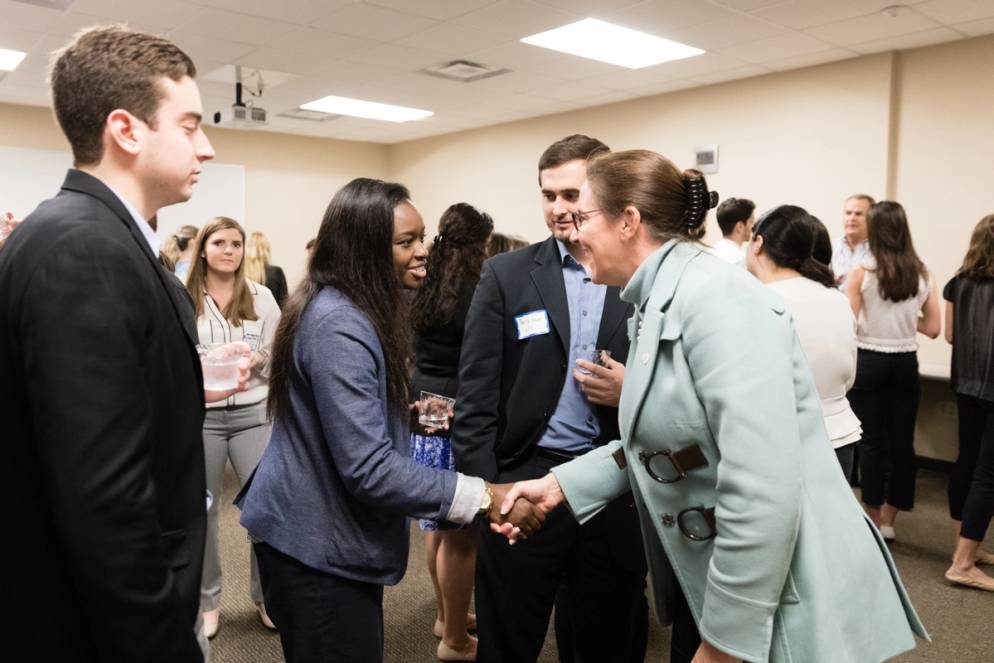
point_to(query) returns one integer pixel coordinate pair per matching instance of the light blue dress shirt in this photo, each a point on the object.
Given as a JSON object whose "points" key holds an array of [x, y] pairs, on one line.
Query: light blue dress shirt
{"points": [[146, 230], [574, 424], [844, 258]]}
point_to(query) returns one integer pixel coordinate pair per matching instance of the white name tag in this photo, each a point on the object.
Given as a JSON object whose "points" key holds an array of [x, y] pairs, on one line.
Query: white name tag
{"points": [[531, 324]]}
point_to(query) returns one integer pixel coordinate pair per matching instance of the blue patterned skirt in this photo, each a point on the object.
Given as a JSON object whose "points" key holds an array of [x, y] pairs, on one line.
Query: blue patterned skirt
{"points": [[433, 451]]}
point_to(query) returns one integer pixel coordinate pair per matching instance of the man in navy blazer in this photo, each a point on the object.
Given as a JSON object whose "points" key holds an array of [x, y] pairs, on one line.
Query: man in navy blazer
{"points": [[101, 394], [529, 399]]}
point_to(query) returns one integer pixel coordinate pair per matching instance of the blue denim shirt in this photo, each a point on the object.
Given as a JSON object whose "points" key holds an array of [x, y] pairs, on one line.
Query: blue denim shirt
{"points": [[574, 424]]}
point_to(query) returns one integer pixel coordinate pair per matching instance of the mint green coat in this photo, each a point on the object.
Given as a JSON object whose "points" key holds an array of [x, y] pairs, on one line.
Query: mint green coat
{"points": [[796, 572]]}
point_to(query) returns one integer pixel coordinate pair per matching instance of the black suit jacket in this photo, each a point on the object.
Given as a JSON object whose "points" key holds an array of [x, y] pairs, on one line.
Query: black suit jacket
{"points": [[101, 407], [509, 388]]}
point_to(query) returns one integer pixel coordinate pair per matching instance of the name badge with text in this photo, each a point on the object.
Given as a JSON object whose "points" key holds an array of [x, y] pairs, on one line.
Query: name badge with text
{"points": [[531, 324]]}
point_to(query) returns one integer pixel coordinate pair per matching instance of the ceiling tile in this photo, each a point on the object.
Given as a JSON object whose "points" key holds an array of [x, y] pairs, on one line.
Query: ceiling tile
{"points": [[610, 97], [159, 15], [575, 90], [874, 26], [441, 10], [708, 63], [976, 28], [516, 18], [31, 17], [296, 11], [452, 41], [18, 39], [809, 13], [307, 50], [374, 23], [777, 48], [749, 5], [393, 56], [200, 47], [663, 17], [811, 59], [662, 87], [913, 40], [733, 74], [956, 11], [727, 31], [592, 8], [222, 24], [626, 79], [525, 57]]}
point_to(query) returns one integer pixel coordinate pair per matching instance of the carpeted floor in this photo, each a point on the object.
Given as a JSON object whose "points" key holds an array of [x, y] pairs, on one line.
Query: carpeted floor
{"points": [[961, 621]]}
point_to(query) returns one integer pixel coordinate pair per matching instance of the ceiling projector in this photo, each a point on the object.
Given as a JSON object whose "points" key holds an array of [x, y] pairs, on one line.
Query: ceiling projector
{"points": [[240, 116]]}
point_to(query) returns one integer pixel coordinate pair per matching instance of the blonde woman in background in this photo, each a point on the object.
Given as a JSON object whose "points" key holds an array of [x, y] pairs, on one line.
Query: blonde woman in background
{"points": [[258, 256], [180, 249], [230, 308]]}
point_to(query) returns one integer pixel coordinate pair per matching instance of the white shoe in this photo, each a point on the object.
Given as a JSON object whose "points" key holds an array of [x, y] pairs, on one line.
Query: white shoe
{"points": [[264, 617], [212, 619], [887, 531]]}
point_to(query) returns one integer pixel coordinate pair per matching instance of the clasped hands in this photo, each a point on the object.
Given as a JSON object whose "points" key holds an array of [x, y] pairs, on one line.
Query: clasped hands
{"points": [[519, 509]]}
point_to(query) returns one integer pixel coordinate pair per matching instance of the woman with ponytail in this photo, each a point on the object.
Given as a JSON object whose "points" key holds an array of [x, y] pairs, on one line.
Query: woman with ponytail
{"points": [[894, 299], [181, 250], [757, 548], [783, 253], [438, 317]]}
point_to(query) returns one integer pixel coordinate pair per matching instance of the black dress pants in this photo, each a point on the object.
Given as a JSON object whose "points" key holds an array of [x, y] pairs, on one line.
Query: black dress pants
{"points": [[885, 397], [604, 565], [321, 618], [971, 485]]}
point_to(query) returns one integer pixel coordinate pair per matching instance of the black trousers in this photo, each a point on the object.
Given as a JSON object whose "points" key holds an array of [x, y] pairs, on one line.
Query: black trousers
{"points": [[885, 397], [321, 618], [604, 565], [685, 638], [846, 455], [971, 485]]}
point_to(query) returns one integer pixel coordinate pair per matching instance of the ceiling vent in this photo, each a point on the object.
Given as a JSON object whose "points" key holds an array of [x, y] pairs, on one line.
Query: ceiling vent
{"points": [[463, 71], [308, 115]]}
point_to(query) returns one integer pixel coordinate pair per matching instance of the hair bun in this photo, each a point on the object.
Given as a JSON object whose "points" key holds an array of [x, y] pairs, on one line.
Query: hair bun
{"points": [[698, 200]]}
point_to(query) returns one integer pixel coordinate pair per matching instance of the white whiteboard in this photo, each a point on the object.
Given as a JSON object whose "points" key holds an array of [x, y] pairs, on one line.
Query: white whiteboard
{"points": [[28, 176]]}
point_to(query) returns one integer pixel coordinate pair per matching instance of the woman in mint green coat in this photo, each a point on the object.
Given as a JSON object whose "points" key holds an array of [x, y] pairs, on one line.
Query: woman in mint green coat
{"points": [[757, 548]]}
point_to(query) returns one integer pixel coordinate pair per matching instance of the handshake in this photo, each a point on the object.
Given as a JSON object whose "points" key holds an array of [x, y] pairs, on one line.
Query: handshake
{"points": [[519, 509]]}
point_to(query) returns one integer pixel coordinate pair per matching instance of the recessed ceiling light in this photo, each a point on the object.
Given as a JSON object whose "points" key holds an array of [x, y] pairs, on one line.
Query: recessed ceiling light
{"points": [[367, 109], [10, 59], [606, 42]]}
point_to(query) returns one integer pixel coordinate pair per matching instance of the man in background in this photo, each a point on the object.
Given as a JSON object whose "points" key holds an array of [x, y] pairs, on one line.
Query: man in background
{"points": [[522, 408], [735, 218], [101, 394], [854, 246]]}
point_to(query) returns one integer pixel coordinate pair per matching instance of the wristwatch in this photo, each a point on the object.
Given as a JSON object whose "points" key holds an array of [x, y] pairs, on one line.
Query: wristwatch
{"points": [[488, 500]]}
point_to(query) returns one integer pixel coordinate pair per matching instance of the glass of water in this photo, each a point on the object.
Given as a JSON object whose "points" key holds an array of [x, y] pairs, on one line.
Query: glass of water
{"points": [[596, 357], [220, 363], [434, 410]]}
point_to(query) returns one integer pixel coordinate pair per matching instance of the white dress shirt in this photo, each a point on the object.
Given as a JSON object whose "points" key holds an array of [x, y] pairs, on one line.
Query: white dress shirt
{"points": [[730, 251]]}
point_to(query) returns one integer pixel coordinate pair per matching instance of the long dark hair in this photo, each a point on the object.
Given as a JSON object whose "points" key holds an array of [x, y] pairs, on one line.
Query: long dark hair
{"points": [[789, 240], [978, 264], [457, 254], [353, 253], [899, 269]]}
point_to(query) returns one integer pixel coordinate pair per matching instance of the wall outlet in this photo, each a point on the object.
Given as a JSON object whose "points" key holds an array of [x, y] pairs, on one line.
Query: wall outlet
{"points": [[947, 409]]}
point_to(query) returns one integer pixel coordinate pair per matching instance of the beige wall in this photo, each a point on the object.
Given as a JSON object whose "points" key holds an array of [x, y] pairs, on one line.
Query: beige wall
{"points": [[288, 179], [808, 137]]}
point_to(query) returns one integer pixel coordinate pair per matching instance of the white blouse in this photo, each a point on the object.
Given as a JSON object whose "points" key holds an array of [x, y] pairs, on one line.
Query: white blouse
{"points": [[212, 327], [826, 329], [886, 326]]}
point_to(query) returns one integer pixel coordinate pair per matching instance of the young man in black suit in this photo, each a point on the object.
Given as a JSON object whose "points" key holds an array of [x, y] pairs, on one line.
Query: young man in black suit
{"points": [[101, 394], [525, 406]]}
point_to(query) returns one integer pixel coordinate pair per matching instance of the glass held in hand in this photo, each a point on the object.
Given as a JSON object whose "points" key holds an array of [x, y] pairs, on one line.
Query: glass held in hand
{"points": [[220, 364], [596, 357], [434, 410]]}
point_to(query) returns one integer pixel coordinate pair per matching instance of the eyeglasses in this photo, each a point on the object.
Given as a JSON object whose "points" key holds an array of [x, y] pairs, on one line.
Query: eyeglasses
{"points": [[580, 217]]}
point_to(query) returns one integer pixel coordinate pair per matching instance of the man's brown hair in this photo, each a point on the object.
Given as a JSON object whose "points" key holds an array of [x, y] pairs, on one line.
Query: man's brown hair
{"points": [[569, 149], [106, 68]]}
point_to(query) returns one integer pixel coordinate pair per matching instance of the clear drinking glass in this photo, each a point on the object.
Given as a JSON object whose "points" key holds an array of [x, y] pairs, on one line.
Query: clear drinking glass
{"points": [[596, 357], [434, 410], [220, 364]]}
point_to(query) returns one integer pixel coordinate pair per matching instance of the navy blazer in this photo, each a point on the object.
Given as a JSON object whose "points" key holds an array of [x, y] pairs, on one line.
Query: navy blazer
{"points": [[333, 487]]}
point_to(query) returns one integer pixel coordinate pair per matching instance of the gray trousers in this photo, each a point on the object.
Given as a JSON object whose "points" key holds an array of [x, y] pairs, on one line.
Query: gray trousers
{"points": [[241, 434]]}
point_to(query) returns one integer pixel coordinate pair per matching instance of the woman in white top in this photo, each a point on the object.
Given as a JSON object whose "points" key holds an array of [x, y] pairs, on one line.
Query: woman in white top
{"points": [[893, 298], [781, 254], [231, 308]]}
